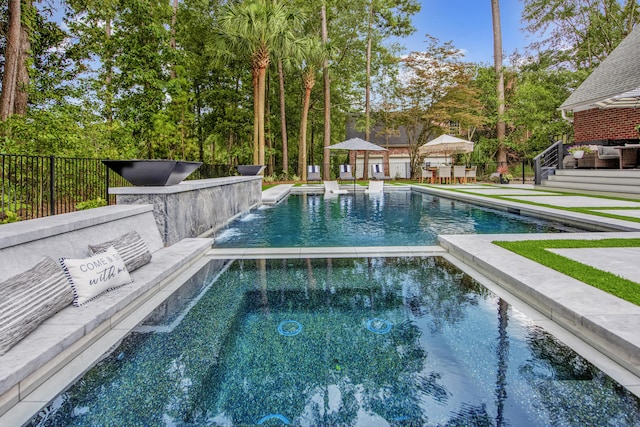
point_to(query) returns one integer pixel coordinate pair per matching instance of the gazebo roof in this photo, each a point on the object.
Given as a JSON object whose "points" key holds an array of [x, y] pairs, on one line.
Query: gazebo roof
{"points": [[614, 83]]}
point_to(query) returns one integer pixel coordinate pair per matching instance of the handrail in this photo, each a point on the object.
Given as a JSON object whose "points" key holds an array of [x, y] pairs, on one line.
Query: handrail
{"points": [[548, 161]]}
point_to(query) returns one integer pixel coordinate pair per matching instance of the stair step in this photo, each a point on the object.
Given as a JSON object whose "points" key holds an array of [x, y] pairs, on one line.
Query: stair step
{"points": [[633, 181], [590, 186], [614, 173]]}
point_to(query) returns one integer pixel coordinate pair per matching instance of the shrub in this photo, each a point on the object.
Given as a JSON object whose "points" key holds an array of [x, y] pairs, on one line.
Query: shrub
{"points": [[9, 216], [90, 204]]}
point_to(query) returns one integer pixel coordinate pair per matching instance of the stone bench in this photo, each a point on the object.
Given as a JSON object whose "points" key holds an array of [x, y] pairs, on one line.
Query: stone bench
{"points": [[59, 340]]}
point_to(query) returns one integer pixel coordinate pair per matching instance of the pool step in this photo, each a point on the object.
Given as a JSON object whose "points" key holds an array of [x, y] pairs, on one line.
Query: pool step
{"points": [[324, 252]]}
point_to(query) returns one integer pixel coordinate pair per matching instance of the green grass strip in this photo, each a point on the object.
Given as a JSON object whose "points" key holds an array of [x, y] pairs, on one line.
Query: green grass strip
{"points": [[536, 251], [592, 210]]}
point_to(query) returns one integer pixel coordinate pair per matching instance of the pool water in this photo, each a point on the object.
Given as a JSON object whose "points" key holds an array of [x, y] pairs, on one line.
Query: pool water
{"points": [[343, 342], [400, 218]]}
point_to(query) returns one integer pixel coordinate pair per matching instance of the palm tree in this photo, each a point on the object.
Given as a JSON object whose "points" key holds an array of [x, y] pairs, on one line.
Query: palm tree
{"points": [[256, 28], [314, 55]]}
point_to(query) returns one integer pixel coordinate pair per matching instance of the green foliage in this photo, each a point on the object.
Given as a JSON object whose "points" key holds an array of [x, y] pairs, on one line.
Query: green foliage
{"points": [[591, 29], [9, 216], [90, 204]]}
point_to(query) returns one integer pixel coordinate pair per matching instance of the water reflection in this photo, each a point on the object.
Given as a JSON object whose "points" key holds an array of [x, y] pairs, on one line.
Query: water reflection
{"points": [[454, 355], [388, 219]]}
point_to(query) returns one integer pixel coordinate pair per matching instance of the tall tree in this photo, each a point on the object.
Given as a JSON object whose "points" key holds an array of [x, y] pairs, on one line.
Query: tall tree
{"points": [[438, 85], [497, 63], [257, 27], [581, 33], [326, 86], [12, 56], [314, 56], [384, 18]]}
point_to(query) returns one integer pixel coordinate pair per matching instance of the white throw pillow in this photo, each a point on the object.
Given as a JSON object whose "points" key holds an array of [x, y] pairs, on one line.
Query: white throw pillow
{"points": [[92, 276]]}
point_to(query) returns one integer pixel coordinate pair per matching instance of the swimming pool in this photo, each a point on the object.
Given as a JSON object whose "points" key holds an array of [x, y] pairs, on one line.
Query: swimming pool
{"points": [[399, 218], [358, 342]]}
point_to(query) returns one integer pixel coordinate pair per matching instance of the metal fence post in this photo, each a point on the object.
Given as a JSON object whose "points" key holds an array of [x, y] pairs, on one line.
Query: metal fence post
{"points": [[106, 187], [52, 185]]}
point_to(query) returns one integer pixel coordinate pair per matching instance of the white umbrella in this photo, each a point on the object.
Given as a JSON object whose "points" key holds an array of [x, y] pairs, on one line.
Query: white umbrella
{"points": [[356, 144], [446, 144]]}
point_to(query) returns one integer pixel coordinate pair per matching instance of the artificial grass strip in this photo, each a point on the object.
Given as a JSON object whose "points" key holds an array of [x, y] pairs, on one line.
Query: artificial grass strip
{"points": [[536, 250], [592, 210]]}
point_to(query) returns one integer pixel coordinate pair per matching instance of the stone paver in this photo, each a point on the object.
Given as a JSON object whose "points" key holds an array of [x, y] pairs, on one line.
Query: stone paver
{"points": [[510, 191], [619, 261], [632, 213], [578, 201]]}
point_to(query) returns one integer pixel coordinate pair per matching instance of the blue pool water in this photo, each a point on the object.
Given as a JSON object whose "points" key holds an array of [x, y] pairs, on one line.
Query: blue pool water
{"points": [[342, 342], [393, 219]]}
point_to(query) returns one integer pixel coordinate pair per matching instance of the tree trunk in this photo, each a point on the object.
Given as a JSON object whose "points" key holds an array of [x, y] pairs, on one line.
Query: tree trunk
{"points": [[497, 60], [302, 153], [367, 101], [283, 122], [173, 44], [199, 123], [21, 96], [108, 63], [267, 128], [309, 82], [261, 100], [12, 56], [326, 158], [256, 114]]}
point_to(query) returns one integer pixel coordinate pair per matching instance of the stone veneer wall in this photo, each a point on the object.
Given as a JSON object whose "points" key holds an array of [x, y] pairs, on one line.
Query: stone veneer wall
{"points": [[192, 208]]}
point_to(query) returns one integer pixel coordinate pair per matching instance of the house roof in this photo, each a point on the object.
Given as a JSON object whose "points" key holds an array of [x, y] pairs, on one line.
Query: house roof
{"points": [[614, 83], [378, 136]]}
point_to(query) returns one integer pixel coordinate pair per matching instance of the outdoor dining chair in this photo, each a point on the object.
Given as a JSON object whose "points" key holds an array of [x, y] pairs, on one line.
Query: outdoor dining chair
{"points": [[459, 174], [444, 174], [470, 174]]}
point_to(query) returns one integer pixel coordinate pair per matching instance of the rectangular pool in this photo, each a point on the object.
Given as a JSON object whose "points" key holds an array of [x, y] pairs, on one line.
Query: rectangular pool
{"points": [[349, 342], [400, 218]]}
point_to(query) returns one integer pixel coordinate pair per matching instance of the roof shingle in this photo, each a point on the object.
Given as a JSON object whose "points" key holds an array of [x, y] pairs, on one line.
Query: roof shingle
{"points": [[617, 74]]}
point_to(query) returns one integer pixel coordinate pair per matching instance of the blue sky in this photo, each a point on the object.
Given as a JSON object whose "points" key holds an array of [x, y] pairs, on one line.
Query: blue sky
{"points": [[467, 23]]}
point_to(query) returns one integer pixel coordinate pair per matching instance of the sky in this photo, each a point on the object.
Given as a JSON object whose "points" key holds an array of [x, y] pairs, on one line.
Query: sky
{"points": [[468, 24]]}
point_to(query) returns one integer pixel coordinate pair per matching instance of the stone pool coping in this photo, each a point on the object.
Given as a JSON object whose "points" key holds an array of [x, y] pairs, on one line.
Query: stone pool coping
{"points": [[607, 323]]}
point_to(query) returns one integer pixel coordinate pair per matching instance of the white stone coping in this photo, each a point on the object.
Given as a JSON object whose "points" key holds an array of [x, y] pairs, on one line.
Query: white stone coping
{"points": [[586, 221], [605, 321], [273, 195], [20, 232], [184, 186], [58, 340]]}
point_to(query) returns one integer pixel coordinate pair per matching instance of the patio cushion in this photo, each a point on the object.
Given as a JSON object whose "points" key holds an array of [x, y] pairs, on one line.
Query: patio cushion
{"points": [[130, 246], [29, 298], [607, 152], [95, 275]]}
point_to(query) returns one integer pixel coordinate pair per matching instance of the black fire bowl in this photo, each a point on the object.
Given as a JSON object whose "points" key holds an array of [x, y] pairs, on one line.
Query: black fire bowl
{"points": [[152, 172]]}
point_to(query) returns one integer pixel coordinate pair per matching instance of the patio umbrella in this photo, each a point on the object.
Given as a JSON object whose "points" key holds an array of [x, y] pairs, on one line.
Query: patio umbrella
{"points": [[447, 145], [356, 144]]}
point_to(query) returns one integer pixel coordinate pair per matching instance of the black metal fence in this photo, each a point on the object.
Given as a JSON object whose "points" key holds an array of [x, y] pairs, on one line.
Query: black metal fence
{"points": [[36, 186]]}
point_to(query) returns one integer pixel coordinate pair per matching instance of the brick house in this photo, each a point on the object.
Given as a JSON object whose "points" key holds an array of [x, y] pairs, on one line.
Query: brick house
{"points": [[606, 106], [395, 160]]}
